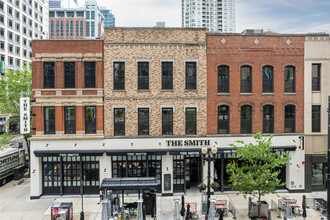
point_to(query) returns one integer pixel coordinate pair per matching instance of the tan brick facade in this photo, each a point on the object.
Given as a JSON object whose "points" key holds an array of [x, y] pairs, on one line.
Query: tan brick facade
{"points": [[153, 45]]}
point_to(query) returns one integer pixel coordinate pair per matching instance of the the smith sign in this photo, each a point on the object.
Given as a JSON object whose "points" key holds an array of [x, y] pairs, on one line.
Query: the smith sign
{"points": [[25, 115], [177, 143]]}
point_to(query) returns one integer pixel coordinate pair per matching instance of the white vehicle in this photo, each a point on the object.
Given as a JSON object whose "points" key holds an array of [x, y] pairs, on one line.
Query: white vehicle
{"points": [[10, 158]]}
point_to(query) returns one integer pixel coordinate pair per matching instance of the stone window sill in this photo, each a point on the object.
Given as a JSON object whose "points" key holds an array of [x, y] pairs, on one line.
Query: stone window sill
{"points": [[268, 93], [246, 94], [290, 93], [223, 93]]}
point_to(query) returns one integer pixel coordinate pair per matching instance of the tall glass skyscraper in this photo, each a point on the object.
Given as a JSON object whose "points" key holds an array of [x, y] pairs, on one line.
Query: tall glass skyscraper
{"points": [[109, 18], [215, 15]]}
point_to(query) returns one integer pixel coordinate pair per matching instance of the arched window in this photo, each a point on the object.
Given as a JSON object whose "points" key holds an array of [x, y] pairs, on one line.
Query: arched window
{"points": [[246, 119], [268, 119], [223, 119], [223, 79], [246, 79], [267, 79], [289, 79], [290, 119]]}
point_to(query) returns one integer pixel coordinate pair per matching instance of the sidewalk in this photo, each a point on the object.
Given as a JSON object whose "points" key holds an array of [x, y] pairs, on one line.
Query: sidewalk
{"points": [[15, 204]]}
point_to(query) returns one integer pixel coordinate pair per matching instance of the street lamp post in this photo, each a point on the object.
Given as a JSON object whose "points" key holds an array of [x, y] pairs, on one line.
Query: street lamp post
{"points": [[205, 151]]}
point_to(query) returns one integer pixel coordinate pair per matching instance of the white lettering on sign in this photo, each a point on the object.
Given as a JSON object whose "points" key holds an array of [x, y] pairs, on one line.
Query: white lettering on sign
{"points": [[25, 115]]}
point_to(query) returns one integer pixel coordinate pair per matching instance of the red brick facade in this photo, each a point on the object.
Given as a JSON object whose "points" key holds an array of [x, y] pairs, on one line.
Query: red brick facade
{"points": [[256, 51], [60, 51]]}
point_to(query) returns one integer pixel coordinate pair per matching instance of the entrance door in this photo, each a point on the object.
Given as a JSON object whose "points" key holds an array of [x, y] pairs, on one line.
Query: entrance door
{"points": [[91, 174], [193, 171], [71, 175], [178, 173], [51, 175]]}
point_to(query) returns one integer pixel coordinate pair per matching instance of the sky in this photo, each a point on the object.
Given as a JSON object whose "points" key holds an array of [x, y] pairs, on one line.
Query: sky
{"points": [[283, 16]]}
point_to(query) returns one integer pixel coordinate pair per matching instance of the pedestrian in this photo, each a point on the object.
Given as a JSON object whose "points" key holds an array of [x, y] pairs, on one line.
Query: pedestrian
{"points": [[101, 197]]}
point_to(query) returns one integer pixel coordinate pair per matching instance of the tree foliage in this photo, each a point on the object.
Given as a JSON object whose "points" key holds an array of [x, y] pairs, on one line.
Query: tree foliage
{"points": [[14, 85], [256, 171]]}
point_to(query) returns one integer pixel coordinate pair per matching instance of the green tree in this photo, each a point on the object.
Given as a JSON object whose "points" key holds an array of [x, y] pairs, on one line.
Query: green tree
{"points": [[14, 85], [256, 172]]}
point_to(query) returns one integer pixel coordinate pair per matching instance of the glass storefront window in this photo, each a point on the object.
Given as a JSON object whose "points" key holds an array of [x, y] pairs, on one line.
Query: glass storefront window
{"points": [[317, 174]]}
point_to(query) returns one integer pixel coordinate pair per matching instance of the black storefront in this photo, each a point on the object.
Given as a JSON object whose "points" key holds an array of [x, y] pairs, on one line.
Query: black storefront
{"points": [[63, 172], [137, 163]]}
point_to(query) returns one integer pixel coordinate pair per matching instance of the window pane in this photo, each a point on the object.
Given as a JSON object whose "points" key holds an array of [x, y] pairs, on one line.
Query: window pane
{"points": [[90, 120], [190, 120], [223, 79], [49, 74], [143, 121], [69, 75], [89, 74], [289, 124], [316, 118], [167, 121], [246, 119], [70, 120], [267, 79], [246, 79], [143, 75], [268, 119], [119, 76], [317, 174], [223, 119], [289, 79], [191, 75], [316, 77], [49, 124], [119, 122], [167, 75]]}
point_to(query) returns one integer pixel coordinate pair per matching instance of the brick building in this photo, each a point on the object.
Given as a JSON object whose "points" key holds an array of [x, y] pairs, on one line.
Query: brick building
{"points": [[67, 89], [256, 84]]}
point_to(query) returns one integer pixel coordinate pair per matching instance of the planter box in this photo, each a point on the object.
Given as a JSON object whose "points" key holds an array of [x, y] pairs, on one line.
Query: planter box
{"points": [[263, 209]]}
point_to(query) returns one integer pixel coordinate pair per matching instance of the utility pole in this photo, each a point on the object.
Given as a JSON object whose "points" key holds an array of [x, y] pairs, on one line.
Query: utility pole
{"points": [[328, 176]]}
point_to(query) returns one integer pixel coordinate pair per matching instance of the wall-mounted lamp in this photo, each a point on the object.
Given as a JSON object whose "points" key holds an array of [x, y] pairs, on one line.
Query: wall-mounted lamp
{"points": [[298, 167], [302, 142], [103, 145], [75, 146], [159, 144], [132, 145], [47, 145], [294, 142], [105, 170], [33, 171], [167, 171]]}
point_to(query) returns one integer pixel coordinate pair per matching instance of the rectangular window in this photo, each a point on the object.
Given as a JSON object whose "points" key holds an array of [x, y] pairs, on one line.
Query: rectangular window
{"points": [[316, 77], [119, 76], [143, 121], [57, 28], [167, 75], [191, 121], [69, 75], [52, 28], [318, 174], [119, 122], [62, 28], [92, 14], [87, 14], [92, 29], [77, 28], [71, 28], [81, 28], [90, 75], [289, 79], [70, 120], [143, 75], [90, 120], [167, 121], [67, 28], [316, 118], [49, 75], [49, 120], [246, 79], [87, 29], [191, 75]]}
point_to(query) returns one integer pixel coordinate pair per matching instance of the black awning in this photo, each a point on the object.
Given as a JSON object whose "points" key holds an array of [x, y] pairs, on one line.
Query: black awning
{"points": [[67, 153], [124, 152], [133, 183], [286, 148]]}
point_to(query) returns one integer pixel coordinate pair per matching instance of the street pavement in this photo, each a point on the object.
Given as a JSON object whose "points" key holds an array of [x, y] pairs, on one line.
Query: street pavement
{"points": [[15, 204]]}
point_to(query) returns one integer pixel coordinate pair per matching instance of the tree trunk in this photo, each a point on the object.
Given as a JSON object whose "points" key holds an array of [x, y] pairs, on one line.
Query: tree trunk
{"points": [[259, 204]]}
